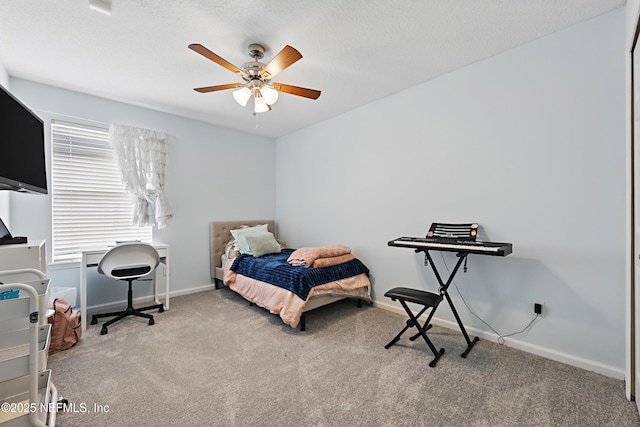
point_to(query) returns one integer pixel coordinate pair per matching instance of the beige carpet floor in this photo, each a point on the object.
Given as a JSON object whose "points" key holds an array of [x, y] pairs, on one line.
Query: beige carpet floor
{"points": [[213, 360]]}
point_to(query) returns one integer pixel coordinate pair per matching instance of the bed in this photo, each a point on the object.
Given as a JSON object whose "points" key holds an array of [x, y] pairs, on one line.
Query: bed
{"points": [[290, 305]]}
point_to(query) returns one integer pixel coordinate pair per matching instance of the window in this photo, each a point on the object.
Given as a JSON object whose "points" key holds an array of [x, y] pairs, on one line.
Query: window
{"points": [[90, 206]]}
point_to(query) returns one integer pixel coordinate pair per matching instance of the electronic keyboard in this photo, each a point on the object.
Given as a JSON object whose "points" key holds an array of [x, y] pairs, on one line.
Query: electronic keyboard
{"points": [[451, 245]]}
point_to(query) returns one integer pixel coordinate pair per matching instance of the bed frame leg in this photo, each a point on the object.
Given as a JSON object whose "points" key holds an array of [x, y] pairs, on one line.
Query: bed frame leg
{"points": [[215, 282], [303, 319], [359, 303]]}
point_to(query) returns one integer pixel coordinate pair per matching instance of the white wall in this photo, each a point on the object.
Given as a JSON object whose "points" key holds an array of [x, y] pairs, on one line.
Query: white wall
{"points": [[212, 174], [531, 145]]}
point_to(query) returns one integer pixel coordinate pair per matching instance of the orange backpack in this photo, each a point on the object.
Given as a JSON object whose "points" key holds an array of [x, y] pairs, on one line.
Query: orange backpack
{"points": [[66, 328]]}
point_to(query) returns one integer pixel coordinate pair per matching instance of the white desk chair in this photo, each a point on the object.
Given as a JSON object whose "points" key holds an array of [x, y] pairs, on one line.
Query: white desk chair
{"points": [[128, 261]]}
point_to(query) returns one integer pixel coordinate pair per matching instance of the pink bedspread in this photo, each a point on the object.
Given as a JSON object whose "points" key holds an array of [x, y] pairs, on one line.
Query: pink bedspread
{"points": [[285, 303]]}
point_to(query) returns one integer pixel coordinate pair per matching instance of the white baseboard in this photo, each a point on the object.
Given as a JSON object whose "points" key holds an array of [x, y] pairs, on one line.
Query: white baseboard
{"points": [[189, 291], [548, 353]]}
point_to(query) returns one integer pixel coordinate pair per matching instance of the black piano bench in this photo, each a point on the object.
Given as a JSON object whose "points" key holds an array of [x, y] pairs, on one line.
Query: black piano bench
{"points": [[427, 299]]}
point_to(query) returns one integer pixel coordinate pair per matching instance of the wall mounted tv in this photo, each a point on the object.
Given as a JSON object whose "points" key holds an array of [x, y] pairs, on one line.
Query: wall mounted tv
{"points": [[22, 158]]}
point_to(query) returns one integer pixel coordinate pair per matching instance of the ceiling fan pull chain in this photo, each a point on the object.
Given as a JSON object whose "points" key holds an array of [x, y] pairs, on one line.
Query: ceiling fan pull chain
{"points": [[257, 122]]}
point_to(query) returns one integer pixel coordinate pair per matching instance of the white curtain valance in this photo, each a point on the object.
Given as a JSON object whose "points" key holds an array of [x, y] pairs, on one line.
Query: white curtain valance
{"points": [[142, 158]]}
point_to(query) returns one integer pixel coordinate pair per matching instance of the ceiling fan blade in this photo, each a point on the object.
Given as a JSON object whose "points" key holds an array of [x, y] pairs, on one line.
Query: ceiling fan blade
{"points": [[215, 58], [218, 87], [295, 90], [282, 60]]}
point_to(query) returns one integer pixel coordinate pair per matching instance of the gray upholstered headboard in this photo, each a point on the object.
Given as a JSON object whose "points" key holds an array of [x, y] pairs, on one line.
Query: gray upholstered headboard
{"points": [[220, 235]]}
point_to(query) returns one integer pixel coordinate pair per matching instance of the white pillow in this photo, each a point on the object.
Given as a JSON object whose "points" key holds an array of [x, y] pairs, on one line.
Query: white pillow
{"points": [[241, 244]]}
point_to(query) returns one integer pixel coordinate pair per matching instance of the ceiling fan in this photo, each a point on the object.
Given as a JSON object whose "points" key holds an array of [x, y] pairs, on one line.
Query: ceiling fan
{"points": [[257, 77]]}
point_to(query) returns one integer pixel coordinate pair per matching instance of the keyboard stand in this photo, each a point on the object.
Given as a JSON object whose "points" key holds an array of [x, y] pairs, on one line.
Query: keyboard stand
{"points": [[458, 238], [444, 292]]}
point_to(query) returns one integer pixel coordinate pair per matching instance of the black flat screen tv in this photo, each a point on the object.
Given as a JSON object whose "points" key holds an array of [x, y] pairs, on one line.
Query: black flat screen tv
{"points": [[22, 149]]}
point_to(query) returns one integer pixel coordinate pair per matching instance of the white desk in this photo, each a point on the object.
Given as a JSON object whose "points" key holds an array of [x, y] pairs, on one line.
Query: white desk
{"points": [[91, 258]]}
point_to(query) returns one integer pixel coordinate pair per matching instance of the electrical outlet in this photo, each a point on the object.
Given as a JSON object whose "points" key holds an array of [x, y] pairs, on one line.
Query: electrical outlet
{"points": [[537, 308]]}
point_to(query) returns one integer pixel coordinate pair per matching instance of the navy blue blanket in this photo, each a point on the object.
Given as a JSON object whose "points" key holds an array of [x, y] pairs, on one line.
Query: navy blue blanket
{"points": [[275, 269]]}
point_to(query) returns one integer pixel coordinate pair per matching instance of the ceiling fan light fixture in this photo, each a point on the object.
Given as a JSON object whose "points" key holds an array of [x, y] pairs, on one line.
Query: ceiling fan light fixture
{"points": [[256, 75], [242, 95], [260, 105], [270, 94]]}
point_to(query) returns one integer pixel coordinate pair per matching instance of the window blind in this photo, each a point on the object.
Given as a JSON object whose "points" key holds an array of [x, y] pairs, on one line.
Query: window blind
{"points": [[90, 207]]}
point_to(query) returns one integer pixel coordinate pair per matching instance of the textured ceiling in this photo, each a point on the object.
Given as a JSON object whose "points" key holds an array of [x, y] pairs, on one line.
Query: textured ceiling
{"points": [[354, 51]]}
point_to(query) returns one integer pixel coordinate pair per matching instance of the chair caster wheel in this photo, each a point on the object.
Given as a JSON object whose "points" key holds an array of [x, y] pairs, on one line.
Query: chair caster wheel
{"points": [[161, 309], [94, 321], [151, 322], [104, 331]]}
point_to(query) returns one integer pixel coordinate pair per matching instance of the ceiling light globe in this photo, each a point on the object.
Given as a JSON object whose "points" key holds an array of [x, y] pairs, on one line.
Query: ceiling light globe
{"points": [[270, 94], [260, 105], [242, 95]]}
